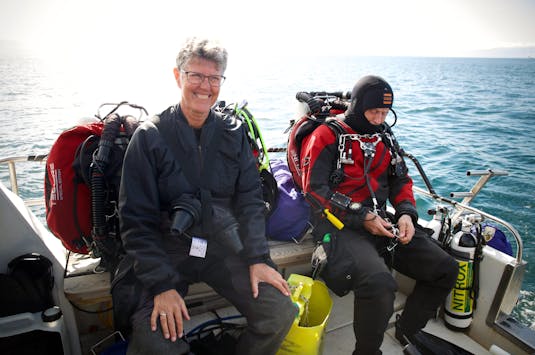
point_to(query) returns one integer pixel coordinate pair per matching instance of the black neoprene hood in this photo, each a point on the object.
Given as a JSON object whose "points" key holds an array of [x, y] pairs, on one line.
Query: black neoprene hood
{"points": [[370, 91]]}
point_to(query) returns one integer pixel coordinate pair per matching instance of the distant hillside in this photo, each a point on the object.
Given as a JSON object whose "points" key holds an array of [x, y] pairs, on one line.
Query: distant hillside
{"points": [[12, 49], [513, 52]]}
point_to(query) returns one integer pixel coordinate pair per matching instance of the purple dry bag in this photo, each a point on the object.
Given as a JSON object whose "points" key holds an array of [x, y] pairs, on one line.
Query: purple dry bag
{"points": [[291, 218]]}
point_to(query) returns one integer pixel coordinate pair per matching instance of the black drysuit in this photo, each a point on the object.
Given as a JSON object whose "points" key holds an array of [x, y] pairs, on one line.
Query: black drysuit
{"points": [[156, 177]]}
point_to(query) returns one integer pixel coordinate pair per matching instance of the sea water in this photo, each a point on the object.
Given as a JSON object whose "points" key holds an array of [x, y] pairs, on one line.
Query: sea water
{"points": [[454, 115]]}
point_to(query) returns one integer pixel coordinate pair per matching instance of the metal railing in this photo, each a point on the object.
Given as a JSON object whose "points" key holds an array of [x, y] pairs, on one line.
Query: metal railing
{"points": [[10, 162], [461, 207], [485, 176]]}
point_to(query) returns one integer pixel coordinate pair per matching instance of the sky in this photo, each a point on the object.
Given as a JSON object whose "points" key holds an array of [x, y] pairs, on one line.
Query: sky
{"points": [[84, 29]]}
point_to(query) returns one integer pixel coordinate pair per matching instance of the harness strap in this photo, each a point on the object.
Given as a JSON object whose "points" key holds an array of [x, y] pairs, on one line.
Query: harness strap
{"points": [[478, 256], [400, 168], [338, 173]]}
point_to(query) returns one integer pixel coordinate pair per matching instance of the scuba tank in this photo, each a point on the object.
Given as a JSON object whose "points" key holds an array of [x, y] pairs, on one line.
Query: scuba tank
{"points": [[465, 247], [440, 223]]}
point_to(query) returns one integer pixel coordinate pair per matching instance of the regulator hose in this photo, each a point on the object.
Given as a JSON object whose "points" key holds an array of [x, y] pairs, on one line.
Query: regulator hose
{"points": [[112, 125], [130, 124], [426, 180], [345, 95], [102, 247], [303, 96]]}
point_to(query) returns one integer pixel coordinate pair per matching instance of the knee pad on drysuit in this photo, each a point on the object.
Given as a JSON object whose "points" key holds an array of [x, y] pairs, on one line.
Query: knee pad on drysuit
{"points": [[374, 299], [450, 269], [426, 297], [376, 286]]}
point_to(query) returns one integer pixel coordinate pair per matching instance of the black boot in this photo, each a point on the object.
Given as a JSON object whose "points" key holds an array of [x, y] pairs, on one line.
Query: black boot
{"points": [[408, 342], [422, 343], [400, 334]]}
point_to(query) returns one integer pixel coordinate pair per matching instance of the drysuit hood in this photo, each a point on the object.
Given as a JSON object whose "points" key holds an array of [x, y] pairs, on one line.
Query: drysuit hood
{"points": [[369, 92]]}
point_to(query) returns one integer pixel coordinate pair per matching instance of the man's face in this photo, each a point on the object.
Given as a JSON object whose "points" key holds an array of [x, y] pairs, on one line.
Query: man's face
{"points": [[376, 116]]}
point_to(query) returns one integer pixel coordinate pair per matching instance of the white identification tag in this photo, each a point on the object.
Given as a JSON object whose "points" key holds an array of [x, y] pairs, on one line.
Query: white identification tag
{"points": [[198, 247]]}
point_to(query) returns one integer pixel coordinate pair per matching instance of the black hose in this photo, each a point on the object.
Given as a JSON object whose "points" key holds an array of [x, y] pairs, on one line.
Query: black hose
{"points": [[339, 105], [112, 125], [303, 96], [421, 171], [130, 123], [344, 95], [116, 107]]}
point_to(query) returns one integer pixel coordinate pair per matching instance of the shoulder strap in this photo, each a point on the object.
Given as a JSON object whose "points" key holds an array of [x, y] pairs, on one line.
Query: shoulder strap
{"points": [[255, 137], [388, 138], [337, 126], [338, 172]]}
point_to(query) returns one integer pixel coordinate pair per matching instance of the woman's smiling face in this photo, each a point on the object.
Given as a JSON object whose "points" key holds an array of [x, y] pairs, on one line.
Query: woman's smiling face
{"points": [[197, 98]]}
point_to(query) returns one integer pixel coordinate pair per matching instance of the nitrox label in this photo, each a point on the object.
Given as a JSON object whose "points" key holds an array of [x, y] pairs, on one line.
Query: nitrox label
{"points": [[460, 301]]}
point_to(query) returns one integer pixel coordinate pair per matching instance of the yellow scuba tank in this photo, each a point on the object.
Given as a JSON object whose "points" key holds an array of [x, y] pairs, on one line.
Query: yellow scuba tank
{"points": [[459, 305]]}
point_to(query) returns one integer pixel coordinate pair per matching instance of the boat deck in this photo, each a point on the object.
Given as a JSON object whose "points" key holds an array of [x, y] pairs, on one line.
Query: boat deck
{"points": [[90, 291], [23, 233], [339, 337]]}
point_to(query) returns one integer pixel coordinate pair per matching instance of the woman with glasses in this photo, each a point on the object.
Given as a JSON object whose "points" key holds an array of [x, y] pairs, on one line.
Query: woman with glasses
{"points": [[191, 210]]}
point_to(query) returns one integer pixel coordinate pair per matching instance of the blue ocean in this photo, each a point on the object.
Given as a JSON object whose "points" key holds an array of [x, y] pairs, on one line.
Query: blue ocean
{"points": [[454, 115]]}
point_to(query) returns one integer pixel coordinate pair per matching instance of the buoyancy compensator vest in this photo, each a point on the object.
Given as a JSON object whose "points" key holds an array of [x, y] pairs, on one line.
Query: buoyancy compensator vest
{"points": [[82, 180], [330, 105], [327, 106], [287, 213], [259, 148]]}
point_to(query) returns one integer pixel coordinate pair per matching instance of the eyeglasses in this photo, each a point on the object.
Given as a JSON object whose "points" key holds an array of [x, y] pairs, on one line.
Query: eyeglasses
{"points": [[198, 78]]}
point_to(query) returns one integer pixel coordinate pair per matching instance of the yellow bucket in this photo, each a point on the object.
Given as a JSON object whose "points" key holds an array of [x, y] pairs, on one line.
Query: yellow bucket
{"points": [[314, 302]]}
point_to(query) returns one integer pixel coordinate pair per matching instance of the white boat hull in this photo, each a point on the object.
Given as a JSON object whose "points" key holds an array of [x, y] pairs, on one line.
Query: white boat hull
{"points": [[500, 282]]}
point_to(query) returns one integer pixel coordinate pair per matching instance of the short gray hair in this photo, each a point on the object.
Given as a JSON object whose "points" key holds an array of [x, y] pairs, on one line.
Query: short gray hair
{"points": [[202, 48]]}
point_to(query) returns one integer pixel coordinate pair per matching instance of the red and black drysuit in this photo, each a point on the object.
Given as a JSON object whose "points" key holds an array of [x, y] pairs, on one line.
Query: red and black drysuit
{"points": [[319, 154], [357, 260]]}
